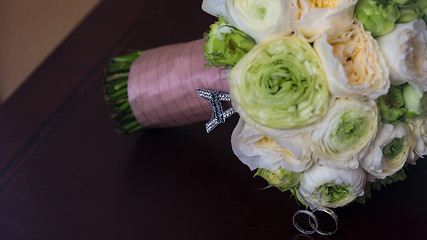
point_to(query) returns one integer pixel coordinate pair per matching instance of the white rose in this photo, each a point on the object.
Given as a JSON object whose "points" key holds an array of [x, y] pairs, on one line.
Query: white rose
{"points": [[322, 186], [260, 19], [405, 51], [317, 16], [258, 151], [390, 150], [353, 62]]}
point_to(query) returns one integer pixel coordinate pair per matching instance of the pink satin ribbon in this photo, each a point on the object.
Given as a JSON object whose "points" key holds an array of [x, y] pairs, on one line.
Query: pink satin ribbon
{"points": [[163, 84]]}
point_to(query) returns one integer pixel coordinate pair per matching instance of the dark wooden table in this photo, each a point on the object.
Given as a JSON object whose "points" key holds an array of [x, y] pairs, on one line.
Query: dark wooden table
{"points": [[65, 173]]}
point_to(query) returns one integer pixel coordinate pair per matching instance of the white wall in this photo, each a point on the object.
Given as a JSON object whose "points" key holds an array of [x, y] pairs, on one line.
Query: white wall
{"points": [[29, 31]]}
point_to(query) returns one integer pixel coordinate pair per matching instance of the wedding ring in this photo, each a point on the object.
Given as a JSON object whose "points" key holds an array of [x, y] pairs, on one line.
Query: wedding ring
{"points": [[316, 222], [314, 225]]}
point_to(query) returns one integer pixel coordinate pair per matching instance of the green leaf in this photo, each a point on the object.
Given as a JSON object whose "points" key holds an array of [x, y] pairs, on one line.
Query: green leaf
{"points": [[380, 184], [280, 178]]}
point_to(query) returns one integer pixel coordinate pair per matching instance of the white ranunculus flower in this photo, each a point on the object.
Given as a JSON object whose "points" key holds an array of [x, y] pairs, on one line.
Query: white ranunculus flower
{"points": [[405, 51], [345, 134], [260, 19], [317, 16], [353, 62], [323, 186], [391, 148], [258, 151], [418, 128]]}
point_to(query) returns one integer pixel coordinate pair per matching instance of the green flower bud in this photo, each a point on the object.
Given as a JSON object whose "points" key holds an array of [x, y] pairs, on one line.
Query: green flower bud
{"points": [[422, 5], [392, 106], [377, 16], [280, 178], [226, 45], [415, 101], [409, 13]]}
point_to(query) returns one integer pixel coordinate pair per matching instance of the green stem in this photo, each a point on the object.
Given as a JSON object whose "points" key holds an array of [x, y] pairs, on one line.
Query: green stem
{"points": [[129, 58], [117, 76], [118, 67], [115, 86], [135, 129], [130, 125]]}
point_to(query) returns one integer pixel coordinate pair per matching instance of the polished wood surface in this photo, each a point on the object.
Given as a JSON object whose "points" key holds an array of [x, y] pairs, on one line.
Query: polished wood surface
{"points": [[65, 173]]}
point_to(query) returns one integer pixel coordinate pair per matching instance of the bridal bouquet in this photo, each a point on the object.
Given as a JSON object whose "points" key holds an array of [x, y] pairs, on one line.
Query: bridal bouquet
{"points": [[330, 93]]}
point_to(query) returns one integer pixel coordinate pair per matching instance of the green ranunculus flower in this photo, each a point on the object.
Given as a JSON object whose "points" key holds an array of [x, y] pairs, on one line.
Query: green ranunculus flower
{"points": [[377, 16], [409, 13], [226, 45], [280, 178], [392, 106], [280, 85]]}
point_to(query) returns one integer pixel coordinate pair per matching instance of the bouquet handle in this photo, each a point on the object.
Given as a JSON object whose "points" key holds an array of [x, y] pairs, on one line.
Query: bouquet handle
{"points": [[163, 82]]}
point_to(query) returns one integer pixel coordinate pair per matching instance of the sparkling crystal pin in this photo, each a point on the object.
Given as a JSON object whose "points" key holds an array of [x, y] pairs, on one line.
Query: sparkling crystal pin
{"points": [[218, 115]]}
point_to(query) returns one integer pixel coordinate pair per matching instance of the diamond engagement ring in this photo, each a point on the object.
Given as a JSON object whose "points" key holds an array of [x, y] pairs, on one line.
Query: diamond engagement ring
{"points": [[314, 225]]}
